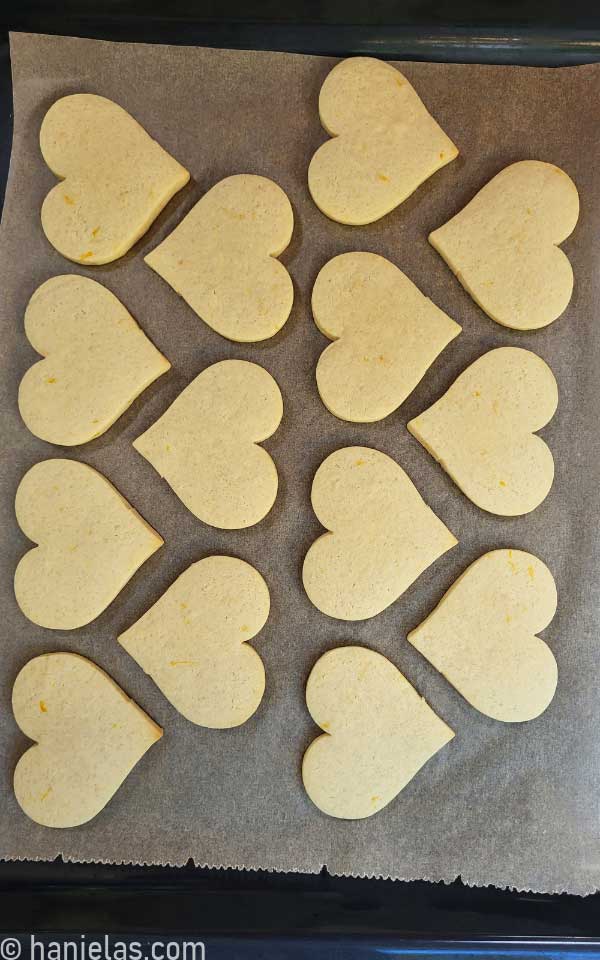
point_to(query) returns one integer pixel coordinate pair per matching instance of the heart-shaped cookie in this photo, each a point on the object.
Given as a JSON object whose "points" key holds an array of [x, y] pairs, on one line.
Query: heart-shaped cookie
{"points": [[97, 361], [378, 733], [89, 736], [482, 635], [482, 431], [115, 178], [90, 544], [386, 333], [503, 246], [206, 444], [385, 142], [221, 258], [192, 642], [381, 535]]}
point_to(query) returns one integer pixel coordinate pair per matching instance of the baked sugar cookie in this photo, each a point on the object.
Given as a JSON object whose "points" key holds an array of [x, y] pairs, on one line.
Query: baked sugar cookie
{"points": [[503, 246], [385, 142], [482, 431], [206, 444], [222, 258], [381, 535], [193, 642], [378, 733], [88, 737], [90, 544], [115, 179], [482, 635], [386, 335], [97, 361]]}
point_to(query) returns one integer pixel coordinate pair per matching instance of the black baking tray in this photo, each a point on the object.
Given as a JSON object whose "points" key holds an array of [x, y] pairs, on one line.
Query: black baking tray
{"points": [[245, 914]]}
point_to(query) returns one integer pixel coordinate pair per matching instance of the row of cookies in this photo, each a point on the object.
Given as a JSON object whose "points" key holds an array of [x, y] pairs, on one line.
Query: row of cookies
{"points": [[503, 246], [98, 360], [193, 640], [255, 197], [377, 731], [481, 429]]}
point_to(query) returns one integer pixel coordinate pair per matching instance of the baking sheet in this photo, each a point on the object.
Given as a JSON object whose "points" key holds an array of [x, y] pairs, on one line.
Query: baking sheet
{"points": [[513, 805]]}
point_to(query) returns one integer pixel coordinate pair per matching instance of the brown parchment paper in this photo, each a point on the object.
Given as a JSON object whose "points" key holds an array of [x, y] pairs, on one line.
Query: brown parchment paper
{"points": [[514, 805]]}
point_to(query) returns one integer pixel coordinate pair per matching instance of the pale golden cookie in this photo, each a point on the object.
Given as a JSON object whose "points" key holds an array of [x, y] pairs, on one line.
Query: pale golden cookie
{"points": [[89, 735], [91, 542], [192, 642], [97, 361], [481, 636], [482, 431], [378, 733], [115, 178], [381, 535], [221, 258], [385, 144], [386, 333], [503, 246], [206, 444]]}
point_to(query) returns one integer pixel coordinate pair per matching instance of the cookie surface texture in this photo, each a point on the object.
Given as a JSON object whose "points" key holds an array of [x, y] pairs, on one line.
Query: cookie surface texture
{"points": [[193, 642], [381, 535], [88, 737], [378, 733], [503, 246], [386, 335], [115, 179], [482, 635], [97, 361], [222, 258], [385, 142], [90, 540], [206, 444], [483, 431]]}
